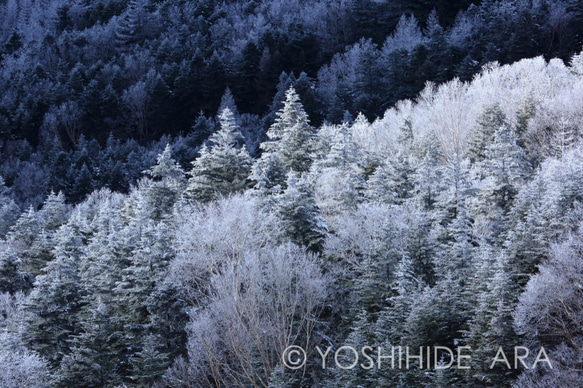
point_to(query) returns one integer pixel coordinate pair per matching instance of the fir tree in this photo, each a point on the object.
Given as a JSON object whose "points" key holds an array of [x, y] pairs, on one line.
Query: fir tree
{"points": [[54, 212], [291, 136], [299, 213], [52, 310], [9, 211], [223, 168], [488, 123], [167, 185], [93, 359]]}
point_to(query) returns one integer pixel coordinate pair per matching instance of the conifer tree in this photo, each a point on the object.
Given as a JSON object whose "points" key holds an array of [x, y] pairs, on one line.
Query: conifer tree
{"points": [[289, 145], [31, 244], [299, 213], [222, 168], [167, 185], [492, 328], [392, 182], [338, 177], [486, 126], [52, 310], [420, 245], [390, 326], [505, 170], [93, 359], [9, 211], [12, 279], [54, 212]]}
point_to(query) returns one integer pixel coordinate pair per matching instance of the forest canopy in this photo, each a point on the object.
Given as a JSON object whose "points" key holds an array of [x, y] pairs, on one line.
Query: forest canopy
{"points": [[189, 188]]}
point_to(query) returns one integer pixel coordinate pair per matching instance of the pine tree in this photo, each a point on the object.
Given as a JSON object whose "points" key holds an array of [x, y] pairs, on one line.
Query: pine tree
{"points": [[339, 181], [138, 281], [420, 246], [393, 318], [427, 177], [149, 364], [129, 26], [12, 279], [362, 334], [289, 146], [31, 244], [223, 168], [228, 102]]}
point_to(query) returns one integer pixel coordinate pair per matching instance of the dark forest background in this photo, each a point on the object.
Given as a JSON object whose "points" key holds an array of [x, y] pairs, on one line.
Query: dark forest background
{"points": [[90, 88]]}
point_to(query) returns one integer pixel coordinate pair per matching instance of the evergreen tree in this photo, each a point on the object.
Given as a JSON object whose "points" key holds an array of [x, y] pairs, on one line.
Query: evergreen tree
{"points": [[486, 126], [12, 280], [427, 177], [492, 328], [505, 170], [338, 177], [149, 259], [420, 246], [9, 210], [130, 25], [224, 168], [299, 213], [93, 360], [289, 146], [393, 318], [52, 319], [167, 185], [362, 334], [291, 135], [54, 212], [149, 364], [228, 102], [30, 243]]}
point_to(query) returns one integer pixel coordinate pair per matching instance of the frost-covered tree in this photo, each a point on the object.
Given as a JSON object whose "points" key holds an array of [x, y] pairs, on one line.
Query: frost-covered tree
{"points": [[300, 216], [257, 306], [486, 126], [549, 313], [223, 167], [93, 359], [53, 307], [339, 181], [492, 324], [12, 278], [167, 185], [54, 212], [9, 210], [289, 145]]}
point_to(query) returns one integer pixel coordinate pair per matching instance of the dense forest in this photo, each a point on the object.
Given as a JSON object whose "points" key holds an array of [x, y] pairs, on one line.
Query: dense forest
{"points": [[190, 189]]}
